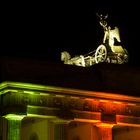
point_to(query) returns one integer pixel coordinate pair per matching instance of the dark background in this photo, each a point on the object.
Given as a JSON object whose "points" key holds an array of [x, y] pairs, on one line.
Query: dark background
{"points": [[43, 30]]}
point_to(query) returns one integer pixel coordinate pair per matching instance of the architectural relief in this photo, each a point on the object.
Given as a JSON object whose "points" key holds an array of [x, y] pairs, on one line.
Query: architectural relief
{"points": [[61, 111]]}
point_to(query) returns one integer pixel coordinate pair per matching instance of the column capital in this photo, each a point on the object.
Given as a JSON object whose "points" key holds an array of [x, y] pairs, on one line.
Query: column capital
{"points": [[14, 117]]}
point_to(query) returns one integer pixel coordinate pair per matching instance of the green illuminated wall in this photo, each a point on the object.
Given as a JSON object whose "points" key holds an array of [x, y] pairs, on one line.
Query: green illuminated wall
{"points": [[37, 128]]}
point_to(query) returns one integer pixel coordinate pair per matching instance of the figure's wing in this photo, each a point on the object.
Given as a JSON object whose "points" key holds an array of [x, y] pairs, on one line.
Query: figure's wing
{"points": [[116, 34]]}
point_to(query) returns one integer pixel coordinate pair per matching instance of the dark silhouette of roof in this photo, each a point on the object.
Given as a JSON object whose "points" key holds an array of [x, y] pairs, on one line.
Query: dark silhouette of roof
{"points": [[122, 79]]}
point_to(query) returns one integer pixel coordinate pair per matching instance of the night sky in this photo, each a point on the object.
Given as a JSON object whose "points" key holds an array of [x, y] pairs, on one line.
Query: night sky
{"points": [[42, 31]]}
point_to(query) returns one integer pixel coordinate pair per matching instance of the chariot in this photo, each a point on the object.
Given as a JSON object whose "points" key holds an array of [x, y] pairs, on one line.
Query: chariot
{"points": [[110, 50]]}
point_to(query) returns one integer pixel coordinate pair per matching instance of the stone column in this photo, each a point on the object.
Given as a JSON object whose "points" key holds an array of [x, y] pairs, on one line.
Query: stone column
{"points": [[105, 131], [1, 125], [59, 130], [14, 126]]}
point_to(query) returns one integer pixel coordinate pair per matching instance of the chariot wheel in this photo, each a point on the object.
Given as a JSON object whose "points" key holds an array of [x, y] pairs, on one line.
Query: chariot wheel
{"points": [[100, 54]]}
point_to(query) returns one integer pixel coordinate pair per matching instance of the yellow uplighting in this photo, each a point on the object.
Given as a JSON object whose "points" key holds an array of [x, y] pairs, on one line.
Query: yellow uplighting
{"points": [[105, 125], [87, 120]]}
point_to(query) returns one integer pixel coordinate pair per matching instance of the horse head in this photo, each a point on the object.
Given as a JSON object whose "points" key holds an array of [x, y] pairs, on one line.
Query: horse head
{"points": [[65, 56]]}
